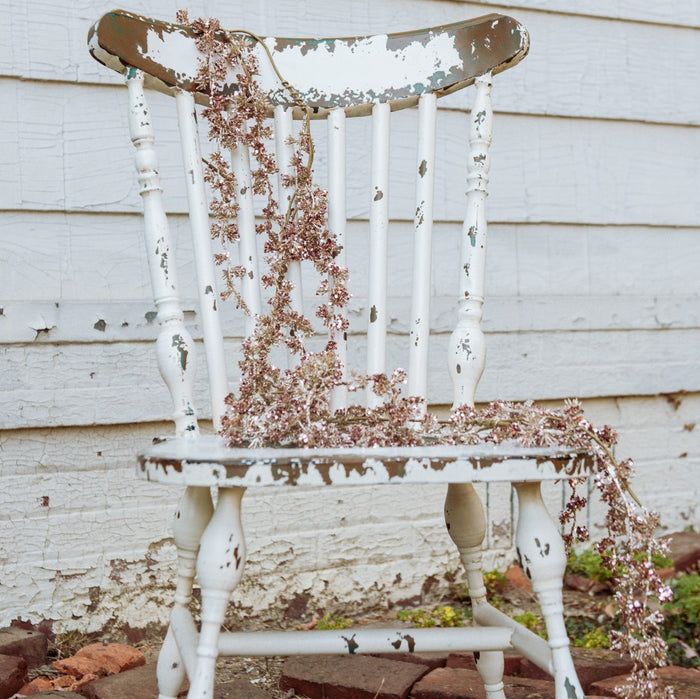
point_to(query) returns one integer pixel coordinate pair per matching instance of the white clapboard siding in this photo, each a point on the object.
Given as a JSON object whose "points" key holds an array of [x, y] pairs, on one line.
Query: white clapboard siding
{"points": [[542, 166], [592, 290], [572, 37], [86, 384], [93, 257], [48, 577]]}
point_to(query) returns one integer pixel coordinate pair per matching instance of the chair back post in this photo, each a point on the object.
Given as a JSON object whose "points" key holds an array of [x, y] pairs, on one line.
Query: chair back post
{"points": [[174, 346], [198, 207], [467, 349]]}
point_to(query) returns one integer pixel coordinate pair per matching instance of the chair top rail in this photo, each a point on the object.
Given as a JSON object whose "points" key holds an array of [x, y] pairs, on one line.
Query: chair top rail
{"points": [[351, 73], [210, 462]]}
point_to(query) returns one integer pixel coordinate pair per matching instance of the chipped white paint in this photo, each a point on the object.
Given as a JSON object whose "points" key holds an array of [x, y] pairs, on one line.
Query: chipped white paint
{"points": [[179, 51], [354, 65], [467, 352], [209, 301], [174, 346], [208, 462], [378, 244], [422, 250]]}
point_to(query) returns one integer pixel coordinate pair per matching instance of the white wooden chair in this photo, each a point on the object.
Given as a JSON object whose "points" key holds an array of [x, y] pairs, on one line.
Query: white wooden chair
{"points": [[407, 69]]}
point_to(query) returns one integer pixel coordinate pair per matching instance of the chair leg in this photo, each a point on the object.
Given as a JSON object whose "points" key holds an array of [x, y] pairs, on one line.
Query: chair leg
{"points": [[192, 516], [219, 568], [543, 559], [466, 525]]}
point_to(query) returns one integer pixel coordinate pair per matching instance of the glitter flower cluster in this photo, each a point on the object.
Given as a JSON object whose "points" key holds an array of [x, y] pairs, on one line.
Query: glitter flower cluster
{"points": [[292, 406]]}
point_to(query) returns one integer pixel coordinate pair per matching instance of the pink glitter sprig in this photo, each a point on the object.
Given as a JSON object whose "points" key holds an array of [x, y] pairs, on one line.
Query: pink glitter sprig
{"points": [[274, 406]]}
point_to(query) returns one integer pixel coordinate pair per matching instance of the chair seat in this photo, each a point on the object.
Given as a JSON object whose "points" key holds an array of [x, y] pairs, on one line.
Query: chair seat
{"points": [[208, 461]]}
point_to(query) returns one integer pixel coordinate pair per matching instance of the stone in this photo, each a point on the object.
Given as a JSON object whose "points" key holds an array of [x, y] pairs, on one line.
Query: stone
{"points": [[684, 549], [517, 579], [349, 677], [138, 683], [56, 694], [36, 686], [592, 664], [430, 660], [684, 680], [31, 645], [240, 689], [458, 683], [101, 659], [583, 584], [13, 674], [465, 660]]}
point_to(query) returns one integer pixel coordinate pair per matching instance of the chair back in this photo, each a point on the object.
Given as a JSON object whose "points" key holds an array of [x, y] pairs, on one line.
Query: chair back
{"points": [[375, 77]]}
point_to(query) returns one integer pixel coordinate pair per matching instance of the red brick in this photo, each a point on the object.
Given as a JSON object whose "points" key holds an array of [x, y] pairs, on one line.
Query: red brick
{"points": [[137, 683], [349, 677], [455, 683], [57, 694], [31, 645], [517, 579], [13, 674], [240, 689], [684, 549], [103, 658], [583, 584], [592, 664], [40, 684], [511, 662], [430, 660], [685, 682]]}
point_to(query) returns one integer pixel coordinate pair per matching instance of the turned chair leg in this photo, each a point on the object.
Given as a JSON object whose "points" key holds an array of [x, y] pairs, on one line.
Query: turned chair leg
{"points": [[466, 525], [543, 559], [191, 518], [219, 569]]}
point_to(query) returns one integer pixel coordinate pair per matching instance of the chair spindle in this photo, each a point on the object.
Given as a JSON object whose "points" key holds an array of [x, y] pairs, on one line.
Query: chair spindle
{"points": [[203, 254], [337, 222], [422, 250], [174, 347], [250, 286], [379, 224], [467, 351]]}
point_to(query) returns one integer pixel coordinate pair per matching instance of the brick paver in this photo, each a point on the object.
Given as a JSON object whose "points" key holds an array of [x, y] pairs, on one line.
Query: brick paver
{"points": [[349, 677], [684, 549], [592, 664], [512, 661], [685, 682], [458, 683], [13, 674], [31, 645]]}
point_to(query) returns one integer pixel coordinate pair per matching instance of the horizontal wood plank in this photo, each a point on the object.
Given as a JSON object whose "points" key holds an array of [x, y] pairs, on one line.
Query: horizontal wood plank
{"points": [[55, 257], [112, 383], [38, 323], [544, 169]]}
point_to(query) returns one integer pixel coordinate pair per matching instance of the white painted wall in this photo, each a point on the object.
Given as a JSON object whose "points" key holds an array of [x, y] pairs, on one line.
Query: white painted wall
{"points": [[593, 291]]}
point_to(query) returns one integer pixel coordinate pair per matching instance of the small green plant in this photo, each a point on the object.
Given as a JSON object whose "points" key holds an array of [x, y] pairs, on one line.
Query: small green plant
{"points": [[589, 564], [531, 621], [334, 623], [595, 638], [442, 616], [494, 581], [681, 627]]}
